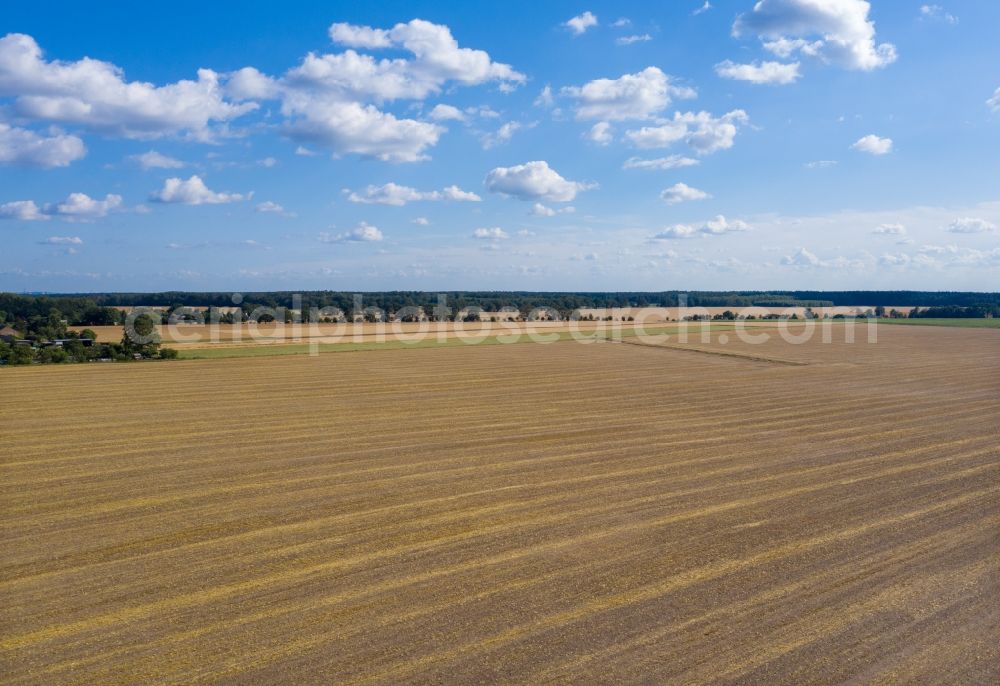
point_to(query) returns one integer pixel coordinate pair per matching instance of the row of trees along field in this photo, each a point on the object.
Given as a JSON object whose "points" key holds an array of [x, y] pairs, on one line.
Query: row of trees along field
{"points": [[100, 308], [47, 340]]}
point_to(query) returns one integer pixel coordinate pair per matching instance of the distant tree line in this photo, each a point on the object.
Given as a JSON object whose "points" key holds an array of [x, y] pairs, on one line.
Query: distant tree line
{"points": [[30, 314], [957, 312]]}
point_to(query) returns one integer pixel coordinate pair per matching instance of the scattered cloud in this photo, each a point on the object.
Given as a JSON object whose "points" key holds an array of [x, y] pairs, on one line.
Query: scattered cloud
{"points": [[937, 13], [494, 233], [873, 145], [938, 249], [540, 210], [63, 240], [501, 135], [156, 160], [421, 221], [303, 151], [821, 164], [890, 229], [26, 148], [713, 227], [970, 225], [362, 233], [545, 98], [804, 259], [397, 195], [579, 24], [271, 207], [600, 133], [446, 113], [720, 225], [267, 162], [676, 231], [704, 8], [994, 102], [774, 73], [621, 22], [483, 111], [660, 163], [192, 191], [801, 258], [22, 210], [631, 96], [77, 207], [631, 40], [834, 31], [681, 192], [703, 132], [903, 260], [533, 181]]}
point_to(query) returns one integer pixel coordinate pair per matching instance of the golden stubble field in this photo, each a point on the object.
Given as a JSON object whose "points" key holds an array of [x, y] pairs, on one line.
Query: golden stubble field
{"points": [[561, 513]]}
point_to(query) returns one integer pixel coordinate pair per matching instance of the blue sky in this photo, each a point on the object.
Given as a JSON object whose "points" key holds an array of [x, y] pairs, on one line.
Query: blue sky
{"points": [[529, 146]]}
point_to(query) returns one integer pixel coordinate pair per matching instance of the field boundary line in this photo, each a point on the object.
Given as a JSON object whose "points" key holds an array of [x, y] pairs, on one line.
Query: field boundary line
{"points": [[721, 353]]}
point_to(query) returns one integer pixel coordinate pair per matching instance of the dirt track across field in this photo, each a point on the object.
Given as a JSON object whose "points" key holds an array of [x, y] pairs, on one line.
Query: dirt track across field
{"points": [[563, 513]]}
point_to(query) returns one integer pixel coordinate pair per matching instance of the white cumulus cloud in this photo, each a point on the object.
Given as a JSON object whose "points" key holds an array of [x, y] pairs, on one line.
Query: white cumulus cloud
{"points": [[533, 181], [362, 233], [873, 145], [713, 227], [192, 191], [540, 210], [759, 72], [675, 232], [81, 207], [801, 258], [333, 100], [492, 233], [971, 225], [156, 160], [703, 132], [443, 112], [720, 225], [23, 210], [681, 192], [580, 23], [398, 195], [96, 95], [631, 96], [600, 133], [27, 148], [834, 31]]}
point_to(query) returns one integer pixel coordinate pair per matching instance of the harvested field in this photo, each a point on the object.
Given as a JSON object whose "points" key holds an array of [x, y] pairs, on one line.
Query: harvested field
{"points": [[564, 513], [253, 333]]}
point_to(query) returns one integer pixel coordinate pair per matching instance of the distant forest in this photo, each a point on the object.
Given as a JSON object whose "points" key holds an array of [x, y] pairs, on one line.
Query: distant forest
{"points": [[90, 309]]}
